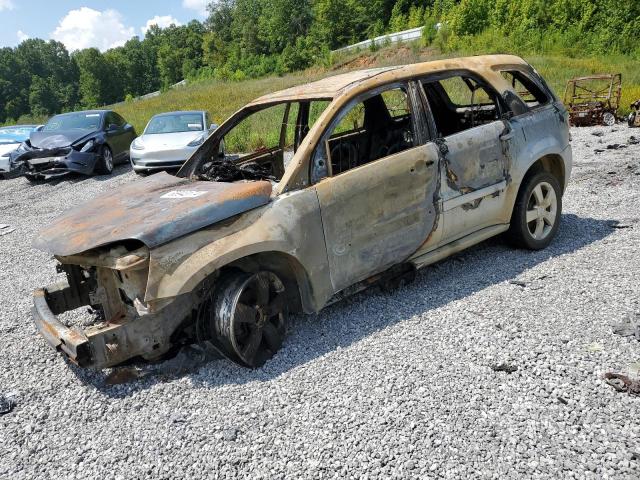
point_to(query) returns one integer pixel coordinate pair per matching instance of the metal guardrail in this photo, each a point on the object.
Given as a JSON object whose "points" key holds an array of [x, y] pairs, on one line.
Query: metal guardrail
{"points": [[181, 83], [403, 36]]}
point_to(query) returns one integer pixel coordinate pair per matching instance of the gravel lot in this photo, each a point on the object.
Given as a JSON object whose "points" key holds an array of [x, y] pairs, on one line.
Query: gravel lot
{"points": [[381, 385]]}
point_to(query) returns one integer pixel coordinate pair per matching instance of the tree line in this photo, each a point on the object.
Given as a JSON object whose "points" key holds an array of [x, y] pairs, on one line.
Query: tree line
{"points": [[252, 38]]}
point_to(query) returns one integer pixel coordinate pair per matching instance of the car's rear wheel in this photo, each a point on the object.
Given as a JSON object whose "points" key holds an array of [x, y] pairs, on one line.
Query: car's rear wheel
{"points": [[536, 214], [104, 165], [245, 318]]}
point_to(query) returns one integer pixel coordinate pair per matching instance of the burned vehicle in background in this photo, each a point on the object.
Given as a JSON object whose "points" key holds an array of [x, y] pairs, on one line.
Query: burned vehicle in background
{"points": [[323, 189], [593, 100], [89, 142]]}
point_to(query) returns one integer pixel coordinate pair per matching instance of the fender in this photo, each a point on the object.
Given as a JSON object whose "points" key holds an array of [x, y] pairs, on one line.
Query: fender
{"points": [[289, 225]]}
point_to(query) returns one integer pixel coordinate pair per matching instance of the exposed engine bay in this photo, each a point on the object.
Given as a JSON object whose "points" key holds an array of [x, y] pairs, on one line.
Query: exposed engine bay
{"points": [[225, 170]]}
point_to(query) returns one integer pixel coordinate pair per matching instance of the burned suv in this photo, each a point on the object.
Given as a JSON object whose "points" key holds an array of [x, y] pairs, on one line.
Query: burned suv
{"points": [[323, 189]]}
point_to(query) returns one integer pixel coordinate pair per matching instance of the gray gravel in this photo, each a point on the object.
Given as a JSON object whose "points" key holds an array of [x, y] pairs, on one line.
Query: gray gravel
{"points": [[381, 385]]}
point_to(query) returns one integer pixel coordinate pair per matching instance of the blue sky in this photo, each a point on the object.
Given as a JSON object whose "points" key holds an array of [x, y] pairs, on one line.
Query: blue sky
{"points": [[90, 23]]}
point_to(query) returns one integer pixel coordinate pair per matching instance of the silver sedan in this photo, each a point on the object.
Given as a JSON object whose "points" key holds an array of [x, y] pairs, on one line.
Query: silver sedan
{"points": [[169, 140]]}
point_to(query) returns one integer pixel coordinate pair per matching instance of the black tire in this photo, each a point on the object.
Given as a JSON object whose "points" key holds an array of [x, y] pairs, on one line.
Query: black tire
{"points": [[244, 317], [104, 165], [33, 178], [539, 232]]}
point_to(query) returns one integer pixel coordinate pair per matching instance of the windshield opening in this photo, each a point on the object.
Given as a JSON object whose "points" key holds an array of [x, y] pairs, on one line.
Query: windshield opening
{"points": [[261, 145], [178, 123], [15, 134], [73, 121]]}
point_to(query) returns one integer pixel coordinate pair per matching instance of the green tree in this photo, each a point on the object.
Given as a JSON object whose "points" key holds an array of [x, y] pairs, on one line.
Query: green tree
{"points": [[13, 86], [94, 77], [42, 97]]}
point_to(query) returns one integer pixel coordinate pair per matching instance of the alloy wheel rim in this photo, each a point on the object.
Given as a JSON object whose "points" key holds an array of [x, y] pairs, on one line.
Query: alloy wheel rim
{"points": [[108, 159], [542, 210], [257, 326]]}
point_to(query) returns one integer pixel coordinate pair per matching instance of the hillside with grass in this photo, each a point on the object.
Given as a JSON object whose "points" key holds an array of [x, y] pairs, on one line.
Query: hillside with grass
{"points": [[221, 98]]}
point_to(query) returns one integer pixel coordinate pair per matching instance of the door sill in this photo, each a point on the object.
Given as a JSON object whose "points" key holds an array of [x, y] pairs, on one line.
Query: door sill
{"points": [[463, 243]]}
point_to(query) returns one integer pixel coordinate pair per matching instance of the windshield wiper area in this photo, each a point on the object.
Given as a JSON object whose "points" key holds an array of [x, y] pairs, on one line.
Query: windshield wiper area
{"points": [[227, 171]]}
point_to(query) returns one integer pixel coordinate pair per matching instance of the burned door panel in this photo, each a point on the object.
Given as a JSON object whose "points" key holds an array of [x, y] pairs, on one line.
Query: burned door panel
{"points": [[377, 215], [475, 171]]}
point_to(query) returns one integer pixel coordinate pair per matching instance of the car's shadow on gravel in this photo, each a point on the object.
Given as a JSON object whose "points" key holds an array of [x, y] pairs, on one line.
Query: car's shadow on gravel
{"points": [[344, 323]]}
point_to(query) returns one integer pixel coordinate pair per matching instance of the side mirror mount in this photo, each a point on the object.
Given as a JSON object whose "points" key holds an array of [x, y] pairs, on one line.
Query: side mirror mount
{"points": [[213, 126]]}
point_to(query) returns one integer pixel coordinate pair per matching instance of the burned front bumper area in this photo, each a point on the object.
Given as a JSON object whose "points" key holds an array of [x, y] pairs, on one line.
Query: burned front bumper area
{"points": [[124, 327], [57, 162]]}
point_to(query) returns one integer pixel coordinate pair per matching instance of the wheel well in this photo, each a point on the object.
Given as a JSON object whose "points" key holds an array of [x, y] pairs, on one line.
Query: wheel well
{"points": [[552, 164], [287, 268]]}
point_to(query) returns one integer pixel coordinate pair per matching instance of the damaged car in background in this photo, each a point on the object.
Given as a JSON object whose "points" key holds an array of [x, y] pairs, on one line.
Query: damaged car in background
{"points": [[169, 139], [322, 190], [89, 143], [10, 139]]}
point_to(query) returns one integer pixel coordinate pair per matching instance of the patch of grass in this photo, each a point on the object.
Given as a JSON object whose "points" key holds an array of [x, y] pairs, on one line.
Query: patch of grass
{"points": [[221, 99]]}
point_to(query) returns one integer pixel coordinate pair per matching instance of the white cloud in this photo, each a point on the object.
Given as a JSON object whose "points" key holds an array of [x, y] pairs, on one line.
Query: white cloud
{"points": [[199, 6], [6, 5], [22, 36], [163, 21], [86, 27]]}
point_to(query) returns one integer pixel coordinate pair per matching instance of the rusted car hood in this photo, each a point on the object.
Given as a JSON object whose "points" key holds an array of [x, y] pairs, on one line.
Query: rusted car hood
{"points": [[154, 210]]}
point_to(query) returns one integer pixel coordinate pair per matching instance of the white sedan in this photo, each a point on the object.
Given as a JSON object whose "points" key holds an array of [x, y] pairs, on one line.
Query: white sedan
{"points": [[169, 140], [10, 139]]}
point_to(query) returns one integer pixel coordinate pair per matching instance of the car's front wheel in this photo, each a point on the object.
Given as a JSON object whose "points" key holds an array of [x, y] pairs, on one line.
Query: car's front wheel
{"points": [[245, 317], [104, 165], [536, 214]]}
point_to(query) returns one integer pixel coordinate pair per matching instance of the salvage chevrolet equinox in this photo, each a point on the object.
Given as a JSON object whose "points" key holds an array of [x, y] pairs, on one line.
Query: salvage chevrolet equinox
{"points": [[322, 189]]}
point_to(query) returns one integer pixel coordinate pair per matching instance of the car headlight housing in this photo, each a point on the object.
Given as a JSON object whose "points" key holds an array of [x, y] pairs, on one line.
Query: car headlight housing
{"points": [[20, 150], [197, 142], [137, 144], [88, 146]]}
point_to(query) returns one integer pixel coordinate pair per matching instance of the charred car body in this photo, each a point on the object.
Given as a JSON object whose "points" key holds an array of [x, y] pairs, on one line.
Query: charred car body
{"points": [[366, 177], [593, 100], [89, 142]]}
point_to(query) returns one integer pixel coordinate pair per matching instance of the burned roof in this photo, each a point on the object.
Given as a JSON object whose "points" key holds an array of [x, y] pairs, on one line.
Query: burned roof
{"points": [[331, 87]]}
